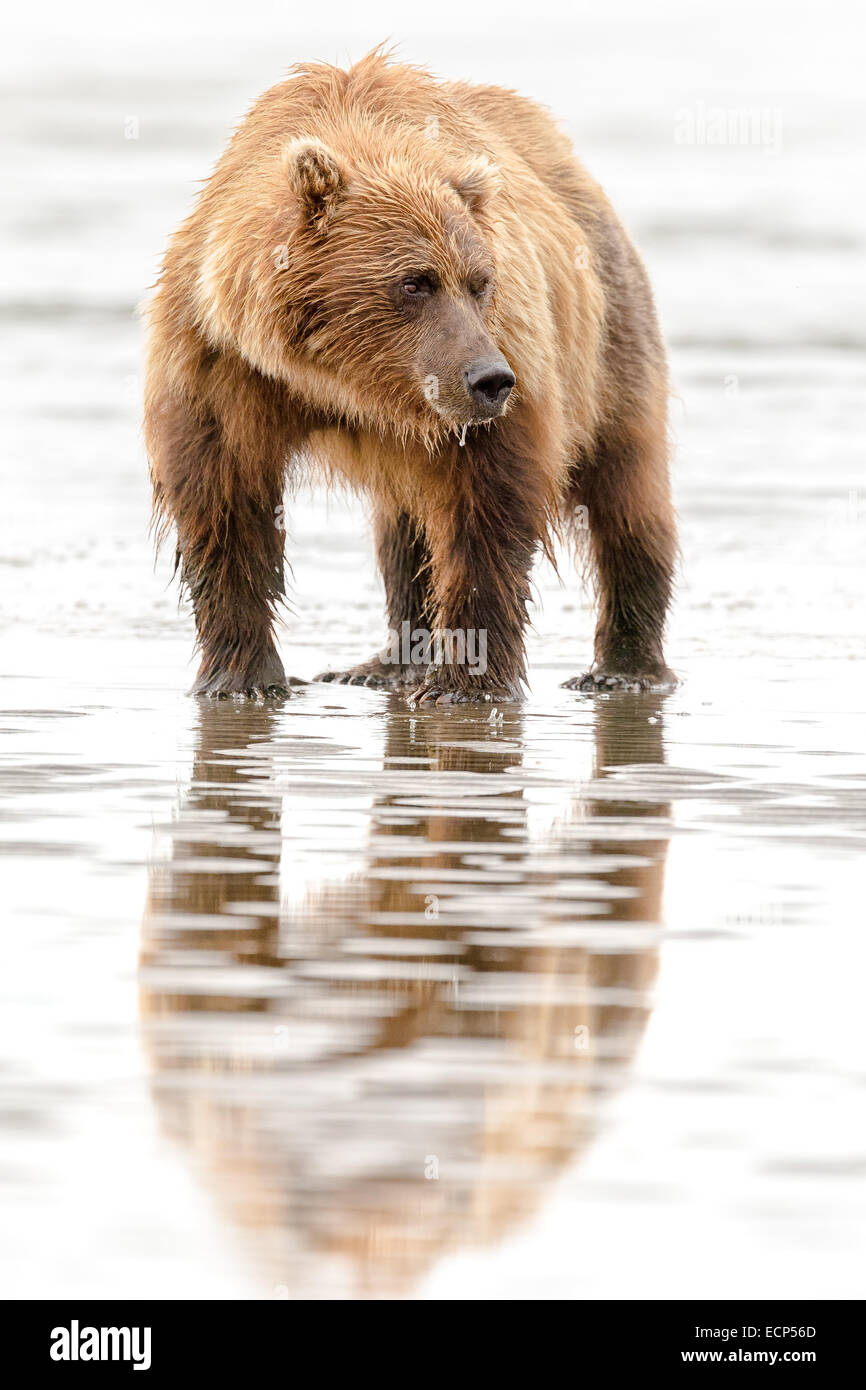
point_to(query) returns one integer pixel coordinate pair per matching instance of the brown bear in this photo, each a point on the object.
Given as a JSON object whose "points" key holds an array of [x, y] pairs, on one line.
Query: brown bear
{"points": [[414, 287]]}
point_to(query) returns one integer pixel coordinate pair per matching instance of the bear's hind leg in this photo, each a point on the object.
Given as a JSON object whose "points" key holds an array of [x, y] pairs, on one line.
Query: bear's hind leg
{"points": [[404, 562], [625, 492]]}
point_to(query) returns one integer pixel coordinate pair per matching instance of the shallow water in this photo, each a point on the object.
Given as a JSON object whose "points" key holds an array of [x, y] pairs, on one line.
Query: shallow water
{"points": [[337, 998]]}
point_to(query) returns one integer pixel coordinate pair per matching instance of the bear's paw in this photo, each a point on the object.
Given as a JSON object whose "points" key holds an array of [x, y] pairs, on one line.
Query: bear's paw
{"points": [[376, 674], [607, 682]]}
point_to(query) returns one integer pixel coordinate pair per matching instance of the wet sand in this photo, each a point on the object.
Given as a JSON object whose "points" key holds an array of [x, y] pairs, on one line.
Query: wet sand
{"points": [[336, 998]]}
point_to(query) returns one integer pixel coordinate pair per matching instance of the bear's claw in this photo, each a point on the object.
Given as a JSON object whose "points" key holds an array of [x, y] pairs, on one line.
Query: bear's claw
{"points": [[600, 682], [433, 691], [266, 684], [376, 674]]}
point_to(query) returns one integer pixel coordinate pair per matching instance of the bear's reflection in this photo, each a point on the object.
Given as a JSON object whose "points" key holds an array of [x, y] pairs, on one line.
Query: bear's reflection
{"points": [[381, 1067]]}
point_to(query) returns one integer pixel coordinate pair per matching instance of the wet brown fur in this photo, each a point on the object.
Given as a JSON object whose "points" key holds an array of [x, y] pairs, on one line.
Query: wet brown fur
{"points": [[275, 341]]}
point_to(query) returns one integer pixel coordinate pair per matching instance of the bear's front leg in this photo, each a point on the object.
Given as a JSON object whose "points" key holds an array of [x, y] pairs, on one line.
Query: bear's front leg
{"points": [[220, 484], [485, 521], [235, 578]]}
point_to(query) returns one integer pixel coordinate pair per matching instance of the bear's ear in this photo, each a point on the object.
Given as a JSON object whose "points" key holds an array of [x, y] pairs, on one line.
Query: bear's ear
{"points": [[316, 180], [478, 182]]}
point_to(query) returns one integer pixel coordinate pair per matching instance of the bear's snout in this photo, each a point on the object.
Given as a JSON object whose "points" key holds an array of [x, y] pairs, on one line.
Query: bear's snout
{"points": [[489, 382]]}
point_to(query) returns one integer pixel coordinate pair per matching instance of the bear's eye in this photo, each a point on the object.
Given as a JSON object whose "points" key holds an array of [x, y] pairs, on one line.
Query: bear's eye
{"points": [[479, 288], [416, 286]]}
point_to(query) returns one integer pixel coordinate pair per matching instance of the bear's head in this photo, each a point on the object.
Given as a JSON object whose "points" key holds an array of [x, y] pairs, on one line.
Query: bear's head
{"points": [[388, 289]]}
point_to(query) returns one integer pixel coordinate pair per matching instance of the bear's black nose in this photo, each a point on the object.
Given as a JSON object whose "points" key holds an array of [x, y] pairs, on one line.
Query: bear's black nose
{"points": [[489, 383]]}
